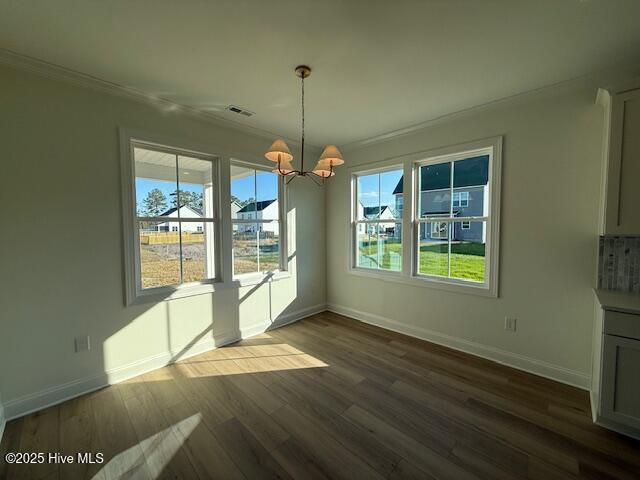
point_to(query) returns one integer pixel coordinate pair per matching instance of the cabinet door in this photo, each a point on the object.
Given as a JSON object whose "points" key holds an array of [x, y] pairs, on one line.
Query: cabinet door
{"points": [[620, 387], [622, 210]]}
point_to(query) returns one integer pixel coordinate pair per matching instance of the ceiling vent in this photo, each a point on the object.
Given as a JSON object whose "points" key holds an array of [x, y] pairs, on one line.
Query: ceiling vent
{"points": [[240, 111]]}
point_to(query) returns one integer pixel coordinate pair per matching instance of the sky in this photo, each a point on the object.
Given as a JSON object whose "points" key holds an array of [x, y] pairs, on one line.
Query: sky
{"points": [[266, 184], [369, 186]]}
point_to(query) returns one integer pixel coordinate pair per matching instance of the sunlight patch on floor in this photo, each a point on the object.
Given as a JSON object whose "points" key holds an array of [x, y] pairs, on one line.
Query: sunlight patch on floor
{"points": [[150, 457], [239, 366]]}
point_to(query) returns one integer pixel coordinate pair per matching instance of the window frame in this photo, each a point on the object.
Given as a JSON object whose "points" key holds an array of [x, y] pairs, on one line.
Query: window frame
{"points": [[283, 270], [354, 222], [410, 228], [134, 293]]}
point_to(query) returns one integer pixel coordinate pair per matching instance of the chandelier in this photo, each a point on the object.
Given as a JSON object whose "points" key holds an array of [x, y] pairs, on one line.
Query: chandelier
{"points": [[280, 154]]}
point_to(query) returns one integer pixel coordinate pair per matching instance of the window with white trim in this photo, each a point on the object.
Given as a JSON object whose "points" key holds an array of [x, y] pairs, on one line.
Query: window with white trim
{"points": [[175, 217], [377, 207], [453, 217], [460, 199], [256, 211]]}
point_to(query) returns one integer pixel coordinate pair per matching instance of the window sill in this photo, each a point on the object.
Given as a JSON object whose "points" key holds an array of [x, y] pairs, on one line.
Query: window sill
{"points": [[172, 293], [182, 291], [251, 279], [427, 282]]}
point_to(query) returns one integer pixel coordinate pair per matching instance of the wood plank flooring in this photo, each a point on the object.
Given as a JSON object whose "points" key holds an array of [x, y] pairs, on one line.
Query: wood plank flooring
{"points": [[329, 398]]}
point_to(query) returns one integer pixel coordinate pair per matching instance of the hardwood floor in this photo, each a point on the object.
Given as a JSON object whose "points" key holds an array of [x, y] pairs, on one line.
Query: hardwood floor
{"points": [[327, 397]]}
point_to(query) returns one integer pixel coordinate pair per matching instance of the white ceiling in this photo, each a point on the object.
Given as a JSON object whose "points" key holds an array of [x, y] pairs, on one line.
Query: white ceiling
{"points": [[377, 66]]}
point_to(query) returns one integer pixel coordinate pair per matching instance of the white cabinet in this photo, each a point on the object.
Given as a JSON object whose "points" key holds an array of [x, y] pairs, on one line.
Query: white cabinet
{"points": [[621, 206], [620, 387], [616, 375]]}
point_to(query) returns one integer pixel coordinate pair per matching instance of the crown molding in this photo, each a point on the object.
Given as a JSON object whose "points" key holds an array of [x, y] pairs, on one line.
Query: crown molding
{"points": [[611, 78], [57, 72]]}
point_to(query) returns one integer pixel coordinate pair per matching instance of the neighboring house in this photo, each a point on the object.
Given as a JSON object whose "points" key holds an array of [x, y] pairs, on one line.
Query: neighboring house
{"points": [[235, 208], [383, 214], [264, 210], [470, 199], [185, 212]]}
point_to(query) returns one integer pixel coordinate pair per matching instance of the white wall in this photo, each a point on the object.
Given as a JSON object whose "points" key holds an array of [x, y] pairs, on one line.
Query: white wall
{"points": [[550, 194], [62, 273]]}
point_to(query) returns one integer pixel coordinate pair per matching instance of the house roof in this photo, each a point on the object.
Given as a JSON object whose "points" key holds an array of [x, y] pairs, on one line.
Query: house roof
{"points": [[197, 211], [257, 206], [468, 173], [372, 212]]}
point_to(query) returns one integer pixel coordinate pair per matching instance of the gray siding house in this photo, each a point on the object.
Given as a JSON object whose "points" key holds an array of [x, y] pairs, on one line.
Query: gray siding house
{"points": [[470, 198]]}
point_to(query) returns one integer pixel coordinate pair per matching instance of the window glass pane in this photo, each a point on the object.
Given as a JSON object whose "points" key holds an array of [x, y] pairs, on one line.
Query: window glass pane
{"points": [[390, 246], [435, 190], [195, 253], [159, 254], [243, 193], [195, 187], [269, 247], [266, 195], [155, 181], [368, 197], [391, 194], [468, 250], [245, 248], [470, 186], [433, 251], [367, 245]]}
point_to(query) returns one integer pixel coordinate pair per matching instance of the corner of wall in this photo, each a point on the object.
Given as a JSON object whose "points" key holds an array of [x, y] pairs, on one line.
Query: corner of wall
{"points": [[3, 420]]}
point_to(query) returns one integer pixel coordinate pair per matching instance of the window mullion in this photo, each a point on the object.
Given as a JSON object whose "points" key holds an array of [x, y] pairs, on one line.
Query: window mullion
{"points": [[179, 222]]}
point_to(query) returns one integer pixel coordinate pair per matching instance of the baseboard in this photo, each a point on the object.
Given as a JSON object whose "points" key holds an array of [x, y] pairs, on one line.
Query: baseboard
{"points": [[281, 321], [57, 394], [593, 401], [515, 360]]}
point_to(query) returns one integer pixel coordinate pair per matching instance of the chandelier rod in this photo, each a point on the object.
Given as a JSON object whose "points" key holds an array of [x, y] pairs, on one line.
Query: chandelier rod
{"points": [[302, 151]]}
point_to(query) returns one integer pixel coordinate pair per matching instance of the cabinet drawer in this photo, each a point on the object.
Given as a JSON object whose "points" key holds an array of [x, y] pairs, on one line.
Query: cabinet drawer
{"points": [[622, 324]]}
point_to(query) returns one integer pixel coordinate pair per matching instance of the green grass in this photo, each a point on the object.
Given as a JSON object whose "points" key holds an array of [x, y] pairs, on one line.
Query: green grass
{"points": [[467, 259]]}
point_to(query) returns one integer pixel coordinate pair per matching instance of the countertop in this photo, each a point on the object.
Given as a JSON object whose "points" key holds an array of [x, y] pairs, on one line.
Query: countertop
{"points": [[618, 301]]}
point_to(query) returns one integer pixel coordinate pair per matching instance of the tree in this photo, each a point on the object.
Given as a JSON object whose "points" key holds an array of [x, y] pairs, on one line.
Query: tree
{"points": [[155, 203], [190, 199]]}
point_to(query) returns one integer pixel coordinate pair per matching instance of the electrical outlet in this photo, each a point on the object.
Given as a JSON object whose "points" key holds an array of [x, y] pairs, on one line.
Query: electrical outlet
{"points": [[83, 344], [510, 324]]}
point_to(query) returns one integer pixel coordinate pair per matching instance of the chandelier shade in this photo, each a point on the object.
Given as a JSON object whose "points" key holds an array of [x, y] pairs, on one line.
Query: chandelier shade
{"points": [[323, 169], [279, 151], [284, 167], [332, 155]]}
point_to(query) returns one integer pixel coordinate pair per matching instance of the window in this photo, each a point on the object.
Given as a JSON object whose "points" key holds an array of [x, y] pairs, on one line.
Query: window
{"points": [[447, 237], [174, 219], [377, 220], [256, 216], [460, 199], [452, 242]]}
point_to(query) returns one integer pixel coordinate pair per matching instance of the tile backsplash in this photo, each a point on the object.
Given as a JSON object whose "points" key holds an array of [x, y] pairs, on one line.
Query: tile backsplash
{"points": [[619, 263]]}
